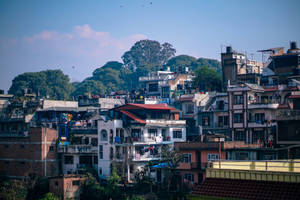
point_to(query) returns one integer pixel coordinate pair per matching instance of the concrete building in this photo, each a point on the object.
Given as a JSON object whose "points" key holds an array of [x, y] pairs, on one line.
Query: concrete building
{"points": [[190, 104], [213, 117], [133, 135], [236, 68], [165, 84]]}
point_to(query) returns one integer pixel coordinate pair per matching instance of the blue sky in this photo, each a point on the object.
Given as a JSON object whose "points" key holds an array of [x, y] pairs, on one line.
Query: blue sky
{"points": [[39, 34]]}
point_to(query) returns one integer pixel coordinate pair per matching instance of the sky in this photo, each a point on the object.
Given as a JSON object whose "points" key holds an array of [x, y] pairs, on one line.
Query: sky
{"points": [[79, 36]]}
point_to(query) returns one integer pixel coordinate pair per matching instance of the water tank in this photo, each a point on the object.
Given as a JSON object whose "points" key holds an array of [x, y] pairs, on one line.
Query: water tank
{"points": [[229, 49], [293, 45]]}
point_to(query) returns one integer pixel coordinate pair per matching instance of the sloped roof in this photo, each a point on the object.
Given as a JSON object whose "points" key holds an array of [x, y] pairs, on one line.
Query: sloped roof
{"points": [[132, 116], [133, 106]]}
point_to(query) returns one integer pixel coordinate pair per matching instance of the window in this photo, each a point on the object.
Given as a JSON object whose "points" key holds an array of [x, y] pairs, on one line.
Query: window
{"points": [[103, 135], [189, 177], [100, 171], [205, 121], [69, 159], [186, 158], [152, 133], [56, 183], [100, 152], [153, 87], [212, 157], [94, 141], [222, 121], [95, 160], [238, 99], [165, 92], [238, 118], [239, 136], [77, 182], [177, 133], [257, 135], [6, 146], [22, 146], [189, 108], [259, 117], [51, 148], [242, 156]]}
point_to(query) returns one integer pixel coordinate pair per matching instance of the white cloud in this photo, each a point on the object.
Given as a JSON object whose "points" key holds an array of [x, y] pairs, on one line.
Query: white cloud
{"points": [[83, 47]]}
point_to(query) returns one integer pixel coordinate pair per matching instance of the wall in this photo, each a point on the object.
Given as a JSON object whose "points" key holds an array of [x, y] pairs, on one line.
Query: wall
{"points": [[20, 156]]}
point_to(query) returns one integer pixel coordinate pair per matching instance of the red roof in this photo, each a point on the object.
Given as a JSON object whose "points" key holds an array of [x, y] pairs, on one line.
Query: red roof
{"points": [[133, 116], [134, 106]]}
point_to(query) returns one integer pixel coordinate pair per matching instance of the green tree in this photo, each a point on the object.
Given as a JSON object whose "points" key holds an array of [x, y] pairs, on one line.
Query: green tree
{"points": [[52, 83], [172, 158], [112, 189], [89, 86], [178, 63], [12, 190], [147, 53], [91, 189], [49, 196], [207, 79]]}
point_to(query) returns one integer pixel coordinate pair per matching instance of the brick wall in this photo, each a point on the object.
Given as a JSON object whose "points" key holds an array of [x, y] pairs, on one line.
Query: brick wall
{"points": [[36, 153]]}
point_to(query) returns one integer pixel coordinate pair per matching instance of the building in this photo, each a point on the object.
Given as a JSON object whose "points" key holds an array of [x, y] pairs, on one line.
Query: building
{"points": [[165, 84], [196, 157], [284, 65], [252, 113], [189, 104], [213, 116], [32, 153], [236, 68], [67, 186], [133, 134]]}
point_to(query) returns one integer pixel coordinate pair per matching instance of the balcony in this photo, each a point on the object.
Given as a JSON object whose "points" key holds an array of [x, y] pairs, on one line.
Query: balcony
{"points": [[84, 130], [74, 149], [260, 124], [146, 157], [288, 115], [260, 105], [163, 122], [193, 165]]}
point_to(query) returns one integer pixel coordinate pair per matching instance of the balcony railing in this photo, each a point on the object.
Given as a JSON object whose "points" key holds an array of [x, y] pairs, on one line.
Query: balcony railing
{"points": [[77, 149], [288, 115]]}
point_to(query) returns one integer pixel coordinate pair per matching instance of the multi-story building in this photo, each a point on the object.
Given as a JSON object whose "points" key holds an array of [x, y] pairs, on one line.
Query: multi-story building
{"points": [[33, 153], [133, 134], [236, 68], [213, 117], [189, 104], [165, 84], [252, 114]]}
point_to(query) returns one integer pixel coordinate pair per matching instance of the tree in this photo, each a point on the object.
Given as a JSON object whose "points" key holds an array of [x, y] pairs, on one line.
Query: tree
{"points": [[178, 63], [207, 79], [147, 53], [52, 83], [172, 158], [49, 196], [91, 189], [89, 86], [12, 190]]}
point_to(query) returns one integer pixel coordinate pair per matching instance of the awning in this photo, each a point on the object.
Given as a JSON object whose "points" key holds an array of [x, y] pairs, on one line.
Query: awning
{"points": [[160, 165]]}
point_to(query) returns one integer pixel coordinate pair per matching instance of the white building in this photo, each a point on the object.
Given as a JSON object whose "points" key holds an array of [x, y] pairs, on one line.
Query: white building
{"points": [[135, 134]]}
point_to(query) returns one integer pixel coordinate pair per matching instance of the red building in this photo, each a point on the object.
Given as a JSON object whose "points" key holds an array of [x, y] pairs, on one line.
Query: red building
{"points": [[196, 157], [32, 153]]}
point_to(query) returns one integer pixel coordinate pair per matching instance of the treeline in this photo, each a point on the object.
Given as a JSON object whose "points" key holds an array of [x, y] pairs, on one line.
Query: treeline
{"points": [[144, 56]]}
